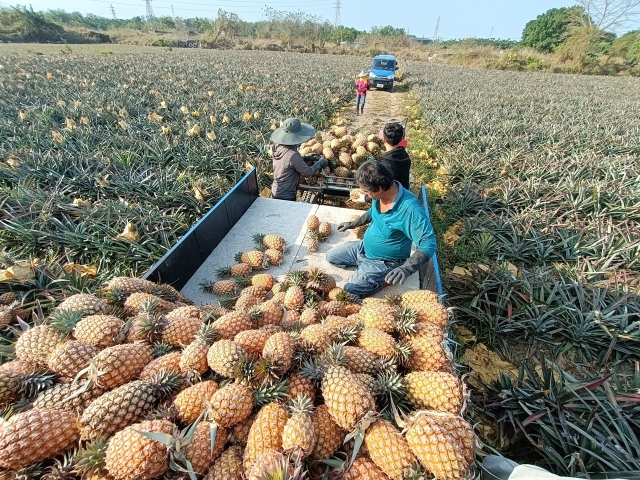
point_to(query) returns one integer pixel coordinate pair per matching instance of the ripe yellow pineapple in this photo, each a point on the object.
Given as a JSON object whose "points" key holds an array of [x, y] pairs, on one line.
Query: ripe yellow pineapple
{"points": [[312, 242], [346, 398], [280, 347], [265, 433], [225, 356], [240, 431], [229, 325], [299, 435], [61, 397], [274, 242], [37, 344], [299, 385], [84, 303], [181, 331], [363, 468], [237, 270], [324, 229], [427, 354], [438, 391], [136, 301], [389, 450], [329, 434], [194, 355], [169, 362], [130, 285], [294, 297], [130, 455], [258, 291], [264, 280], [252, 341], [413, 297], [376, 341], [185, 311], [99, 330], [335, 307], [381, 316], [444, 444], [272, 313], [70, 357], [199, 452], [435, 313], [316, 337], [228, 466], [313, 223], [125, 405], [192, 401], [270, 464], [359, 360], [114, 366], [223, 288], [231, 404], [35, 435], [255, 258]]}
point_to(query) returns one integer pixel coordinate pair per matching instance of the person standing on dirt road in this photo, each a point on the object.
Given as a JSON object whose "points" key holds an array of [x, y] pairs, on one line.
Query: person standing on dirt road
{"points": [[288, 164], [362, 85], [396, 157], [398, 220]]}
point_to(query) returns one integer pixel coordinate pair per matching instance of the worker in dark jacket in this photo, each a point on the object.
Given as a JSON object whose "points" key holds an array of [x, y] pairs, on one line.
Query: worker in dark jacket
{"points": [[288, 164], [395, 156]]}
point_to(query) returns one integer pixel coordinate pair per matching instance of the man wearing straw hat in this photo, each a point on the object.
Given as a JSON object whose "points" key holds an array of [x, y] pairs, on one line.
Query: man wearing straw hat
{"points": [[288, 164], [362, 85]]}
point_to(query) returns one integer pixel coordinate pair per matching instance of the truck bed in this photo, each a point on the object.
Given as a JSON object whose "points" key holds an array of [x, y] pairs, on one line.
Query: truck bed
{"points": [[287, 219]]}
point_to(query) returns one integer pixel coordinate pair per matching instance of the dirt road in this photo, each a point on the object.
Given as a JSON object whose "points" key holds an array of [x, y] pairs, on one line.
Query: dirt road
{"points": [[381, 107]]}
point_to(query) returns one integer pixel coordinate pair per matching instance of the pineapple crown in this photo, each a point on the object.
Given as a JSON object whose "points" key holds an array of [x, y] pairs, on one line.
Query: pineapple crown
{"points": [[166, 382], [258, 239], [206, 285], [208, 333], [265, 370], [270, 392], [149, 305], [227, 301], [223, 272], [62, 469], [296, 277], [90, 459], [243, 281], [114, 296], [301, 405], [160, 349], [64, 321], [406, 322], [30, 385]]}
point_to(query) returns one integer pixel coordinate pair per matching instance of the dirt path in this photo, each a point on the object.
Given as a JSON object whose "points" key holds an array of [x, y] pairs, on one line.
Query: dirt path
{"points": [[381, 107]]}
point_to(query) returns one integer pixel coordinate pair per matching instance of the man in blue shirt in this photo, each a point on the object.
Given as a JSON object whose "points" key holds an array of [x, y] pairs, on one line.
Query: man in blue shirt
{"points": [[398, 220]]}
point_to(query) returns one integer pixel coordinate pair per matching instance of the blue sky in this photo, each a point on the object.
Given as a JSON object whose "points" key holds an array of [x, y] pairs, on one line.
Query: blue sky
{"points": [[458, 18]]}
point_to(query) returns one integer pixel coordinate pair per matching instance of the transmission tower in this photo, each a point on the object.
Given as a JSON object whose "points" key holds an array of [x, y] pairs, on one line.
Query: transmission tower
{"points": [[173, 13], [150, 16], [491, 34], [113, 12], [336, 17], [435, 34]]}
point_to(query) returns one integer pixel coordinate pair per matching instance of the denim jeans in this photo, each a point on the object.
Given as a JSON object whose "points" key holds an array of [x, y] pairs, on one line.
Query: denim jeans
{"points": [[360, 99], [369, 275]]}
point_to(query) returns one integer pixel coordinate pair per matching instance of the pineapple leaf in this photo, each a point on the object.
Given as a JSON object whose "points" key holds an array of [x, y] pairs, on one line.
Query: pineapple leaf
{"points": [[163, 438]]}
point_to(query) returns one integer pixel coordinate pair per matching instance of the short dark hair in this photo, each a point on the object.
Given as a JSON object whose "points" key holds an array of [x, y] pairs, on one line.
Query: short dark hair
{"points": [[373, 176], [393, 133]]}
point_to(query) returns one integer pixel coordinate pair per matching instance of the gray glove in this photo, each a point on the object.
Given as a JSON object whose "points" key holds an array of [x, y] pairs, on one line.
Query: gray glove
{"points": [[412, 265], [362, 220], [323, 162]]}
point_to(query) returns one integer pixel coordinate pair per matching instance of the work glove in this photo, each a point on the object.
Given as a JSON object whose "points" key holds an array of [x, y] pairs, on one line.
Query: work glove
{"points": [[362, 220], [323, 162], [412, 265]]}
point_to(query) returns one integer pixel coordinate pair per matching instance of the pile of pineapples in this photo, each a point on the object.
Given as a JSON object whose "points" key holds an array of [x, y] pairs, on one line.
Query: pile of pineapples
{"points": [[293, 379], [344, 152]]}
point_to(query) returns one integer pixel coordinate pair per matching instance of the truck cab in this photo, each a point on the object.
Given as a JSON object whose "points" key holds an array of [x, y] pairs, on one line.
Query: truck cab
{"points": [[383, 71]]}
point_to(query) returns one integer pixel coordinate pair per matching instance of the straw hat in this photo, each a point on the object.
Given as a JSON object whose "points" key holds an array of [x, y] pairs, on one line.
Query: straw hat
{"points": [[292, 132], [363, 73]]}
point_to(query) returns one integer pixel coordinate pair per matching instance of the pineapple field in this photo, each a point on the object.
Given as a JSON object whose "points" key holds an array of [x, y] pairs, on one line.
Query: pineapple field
{"points": [[106, 161], [535, 192]]}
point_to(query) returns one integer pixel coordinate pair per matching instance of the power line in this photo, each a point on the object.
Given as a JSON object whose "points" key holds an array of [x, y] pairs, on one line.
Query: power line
{"points": [[113, 12]]}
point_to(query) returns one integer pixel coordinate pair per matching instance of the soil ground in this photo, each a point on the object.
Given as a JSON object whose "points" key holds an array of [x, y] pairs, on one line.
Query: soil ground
{"points": [[380, 108]]}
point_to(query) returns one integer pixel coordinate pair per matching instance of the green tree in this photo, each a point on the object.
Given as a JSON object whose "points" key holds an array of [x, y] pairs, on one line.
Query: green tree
{"points": [[343, 34], [550, 29], [388, 31]]}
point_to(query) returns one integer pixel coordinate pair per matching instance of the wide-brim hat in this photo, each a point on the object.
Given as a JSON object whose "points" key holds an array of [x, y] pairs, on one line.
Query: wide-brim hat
{"points": [[292, 132], [363, 73]]}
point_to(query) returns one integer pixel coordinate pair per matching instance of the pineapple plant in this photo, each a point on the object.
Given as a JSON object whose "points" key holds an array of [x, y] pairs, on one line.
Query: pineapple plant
{"points": [[125, 405], [36, 435], [131, 455], [299, 435], [443, 443], [192, 401]]}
